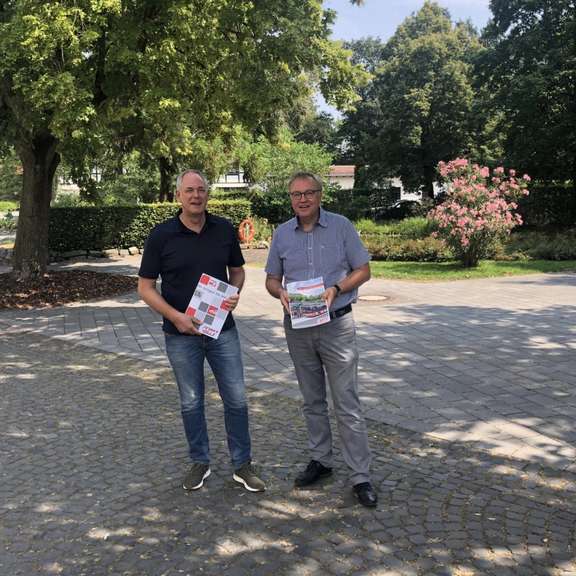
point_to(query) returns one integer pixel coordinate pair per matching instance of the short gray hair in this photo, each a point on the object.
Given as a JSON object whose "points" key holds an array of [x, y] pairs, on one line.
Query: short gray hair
{"points": [[180, 177], [307, 176]]}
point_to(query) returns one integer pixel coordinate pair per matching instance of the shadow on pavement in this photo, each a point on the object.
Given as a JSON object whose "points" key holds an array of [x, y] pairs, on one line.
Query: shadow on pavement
{"points": [[93, 453]]}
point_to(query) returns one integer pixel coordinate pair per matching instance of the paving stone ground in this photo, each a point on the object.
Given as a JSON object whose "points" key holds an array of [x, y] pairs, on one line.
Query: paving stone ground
{"points": [[469, 394], [92, 457]]}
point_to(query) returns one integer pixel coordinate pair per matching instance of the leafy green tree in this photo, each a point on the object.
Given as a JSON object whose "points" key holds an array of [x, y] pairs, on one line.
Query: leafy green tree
{"points": [[10, 175], [321, 129], [77, 75], [530, 72], [368, 52], [417, 111], [269, 166]]}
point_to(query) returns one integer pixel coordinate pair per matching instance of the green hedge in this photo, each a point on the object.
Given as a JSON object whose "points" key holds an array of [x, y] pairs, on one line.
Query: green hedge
{"points": [[535, 245], [410, 228], [523, 244], [399, 249], [107, 227], [549, 207]]}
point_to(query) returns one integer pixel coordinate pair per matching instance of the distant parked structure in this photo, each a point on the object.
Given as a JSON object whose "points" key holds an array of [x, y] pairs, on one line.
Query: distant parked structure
{"points": [[343, 176], [234, 179]]}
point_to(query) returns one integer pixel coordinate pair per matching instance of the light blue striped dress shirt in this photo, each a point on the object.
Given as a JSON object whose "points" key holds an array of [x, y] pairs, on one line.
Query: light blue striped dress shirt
{"points": [[332, 249]]}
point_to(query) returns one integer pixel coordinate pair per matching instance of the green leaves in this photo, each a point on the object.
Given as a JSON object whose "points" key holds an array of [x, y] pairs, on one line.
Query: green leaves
{"points": [[87, 78], [418, 108], [530, 69]]}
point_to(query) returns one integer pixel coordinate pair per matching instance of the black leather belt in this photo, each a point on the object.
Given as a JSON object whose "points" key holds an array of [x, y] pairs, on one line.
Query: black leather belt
{"points": [[340, 312]]}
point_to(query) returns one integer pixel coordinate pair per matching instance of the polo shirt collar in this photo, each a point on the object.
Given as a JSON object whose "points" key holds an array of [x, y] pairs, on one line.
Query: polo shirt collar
{"points": [[209, 221], [322, 220]]}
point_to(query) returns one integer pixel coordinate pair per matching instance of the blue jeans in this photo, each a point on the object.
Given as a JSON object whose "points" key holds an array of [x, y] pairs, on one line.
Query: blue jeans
{"points": [[186, 355]]}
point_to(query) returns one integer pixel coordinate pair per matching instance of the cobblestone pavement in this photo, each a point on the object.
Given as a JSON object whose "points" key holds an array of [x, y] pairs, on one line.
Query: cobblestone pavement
{"points": [[490, 362], [92, 456]]}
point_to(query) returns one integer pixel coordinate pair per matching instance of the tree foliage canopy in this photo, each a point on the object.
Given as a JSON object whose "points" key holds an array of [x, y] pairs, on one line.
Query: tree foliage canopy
{"points": [[530, 69], [77, 75], [418, 109]]}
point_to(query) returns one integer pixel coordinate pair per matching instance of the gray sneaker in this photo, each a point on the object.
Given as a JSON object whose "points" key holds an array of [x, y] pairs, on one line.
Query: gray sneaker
{"points": [[196, 476], [246, 475]]}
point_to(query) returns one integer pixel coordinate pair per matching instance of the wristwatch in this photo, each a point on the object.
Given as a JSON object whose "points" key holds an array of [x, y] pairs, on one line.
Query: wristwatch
{"points": [[338, 289]]}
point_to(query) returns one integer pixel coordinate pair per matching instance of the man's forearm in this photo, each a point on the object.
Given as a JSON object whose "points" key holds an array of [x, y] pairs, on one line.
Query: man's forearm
{"points": [[236, 277], [274, 286], [154, 299], [355, 279]]}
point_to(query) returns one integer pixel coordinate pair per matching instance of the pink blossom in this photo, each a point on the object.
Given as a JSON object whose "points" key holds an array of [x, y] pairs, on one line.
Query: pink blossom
{"points": [[476, 209]]}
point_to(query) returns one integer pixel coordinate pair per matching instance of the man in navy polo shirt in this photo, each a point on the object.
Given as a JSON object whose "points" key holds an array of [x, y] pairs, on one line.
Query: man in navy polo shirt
{"points": [[319, 243], [180, 250]]}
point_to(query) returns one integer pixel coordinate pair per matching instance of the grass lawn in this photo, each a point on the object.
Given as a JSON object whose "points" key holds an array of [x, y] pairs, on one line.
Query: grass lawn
{"points": [[453, 271], [8, 206]]}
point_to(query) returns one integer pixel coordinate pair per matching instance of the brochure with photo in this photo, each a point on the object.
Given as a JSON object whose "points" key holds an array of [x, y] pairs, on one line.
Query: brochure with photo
{"points": [[307, 308], [206, 304]]}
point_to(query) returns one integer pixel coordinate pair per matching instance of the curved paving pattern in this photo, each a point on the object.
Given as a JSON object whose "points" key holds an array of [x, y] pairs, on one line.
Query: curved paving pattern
{"points": [[469, 392], [92, 457]]}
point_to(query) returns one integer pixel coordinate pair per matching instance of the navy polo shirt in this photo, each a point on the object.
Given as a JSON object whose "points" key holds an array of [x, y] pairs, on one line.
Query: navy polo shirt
{"points": [[180, 256]]}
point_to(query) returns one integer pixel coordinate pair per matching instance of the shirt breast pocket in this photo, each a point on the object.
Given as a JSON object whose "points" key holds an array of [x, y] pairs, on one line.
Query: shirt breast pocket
{"points": [[295, 264], [332, 258]]}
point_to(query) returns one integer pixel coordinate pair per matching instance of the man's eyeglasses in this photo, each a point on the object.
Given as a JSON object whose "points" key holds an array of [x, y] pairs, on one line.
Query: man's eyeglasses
{"points": [[199, 191], [308, 194]]}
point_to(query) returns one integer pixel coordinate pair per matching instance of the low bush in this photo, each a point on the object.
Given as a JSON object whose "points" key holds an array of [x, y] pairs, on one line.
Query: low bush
{"points": [[263, 230], [522, 245], [416, 228], [106, 227], [229, 194], [8, 224], [383, 247], [534, 245]]}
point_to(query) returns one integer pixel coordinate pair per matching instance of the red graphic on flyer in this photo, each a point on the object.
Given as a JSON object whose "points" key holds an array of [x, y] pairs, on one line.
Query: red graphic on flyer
{"points": [[206, 304]]}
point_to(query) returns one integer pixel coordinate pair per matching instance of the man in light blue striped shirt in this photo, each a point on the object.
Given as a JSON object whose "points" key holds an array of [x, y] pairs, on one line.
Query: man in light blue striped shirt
{"points": [[312, 244]]}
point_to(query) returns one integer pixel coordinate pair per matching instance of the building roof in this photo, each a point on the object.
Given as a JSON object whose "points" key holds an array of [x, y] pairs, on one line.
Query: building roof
{"points": [[342, 170]]}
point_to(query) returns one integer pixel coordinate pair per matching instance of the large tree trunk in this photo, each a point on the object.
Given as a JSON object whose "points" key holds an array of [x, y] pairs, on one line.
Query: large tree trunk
{"points": [[166, 174], [39, 161]]}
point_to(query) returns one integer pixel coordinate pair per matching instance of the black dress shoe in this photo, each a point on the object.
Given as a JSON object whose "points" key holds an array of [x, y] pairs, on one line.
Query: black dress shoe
{"points": [[314, 472], [366, 495]]}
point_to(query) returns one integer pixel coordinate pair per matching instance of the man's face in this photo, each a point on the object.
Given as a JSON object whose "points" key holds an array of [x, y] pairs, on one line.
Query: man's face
{"points": [[192, 195], [305, 197]]}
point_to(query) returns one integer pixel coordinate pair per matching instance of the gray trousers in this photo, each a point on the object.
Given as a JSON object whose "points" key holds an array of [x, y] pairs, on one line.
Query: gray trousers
{"points": [[330, 351]]}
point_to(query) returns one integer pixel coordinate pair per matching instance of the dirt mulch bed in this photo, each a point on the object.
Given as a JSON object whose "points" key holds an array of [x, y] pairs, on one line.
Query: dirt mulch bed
{"points": [[62, 287]]}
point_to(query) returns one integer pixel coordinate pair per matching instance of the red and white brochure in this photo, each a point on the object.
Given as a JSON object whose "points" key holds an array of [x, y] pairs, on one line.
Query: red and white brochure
{"points": [[206, 304]]}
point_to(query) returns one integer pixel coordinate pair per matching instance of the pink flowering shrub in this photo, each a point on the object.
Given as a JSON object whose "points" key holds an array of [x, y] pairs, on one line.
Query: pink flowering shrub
{"points": [[479, 208]]}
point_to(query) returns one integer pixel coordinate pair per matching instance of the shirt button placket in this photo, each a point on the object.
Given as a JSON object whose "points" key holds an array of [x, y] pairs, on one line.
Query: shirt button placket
{"points": [[310, 255]]}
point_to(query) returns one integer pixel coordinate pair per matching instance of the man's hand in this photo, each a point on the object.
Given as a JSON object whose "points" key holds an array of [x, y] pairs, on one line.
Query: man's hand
{"points": [[285, 300], [275, 288], [231, 302], [329, 295], [186, 324]]}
